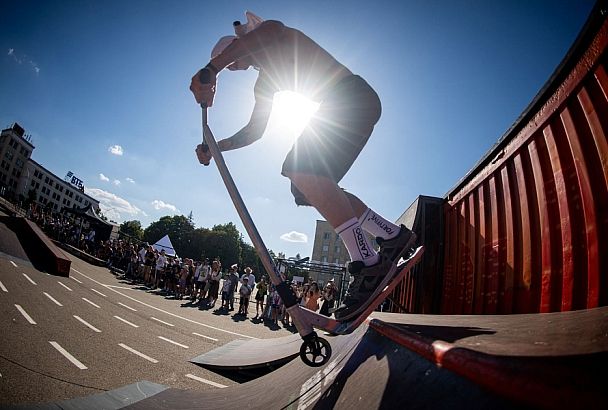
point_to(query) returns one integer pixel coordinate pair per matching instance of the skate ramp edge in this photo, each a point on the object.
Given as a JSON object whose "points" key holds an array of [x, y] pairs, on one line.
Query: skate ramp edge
{"points": [[110, 400], [567, 376], [251, 354], [49, 257]]}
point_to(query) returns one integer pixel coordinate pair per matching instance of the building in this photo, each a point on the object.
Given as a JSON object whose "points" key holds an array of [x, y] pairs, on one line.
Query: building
{"points": [[328, 246], [21, 177]]}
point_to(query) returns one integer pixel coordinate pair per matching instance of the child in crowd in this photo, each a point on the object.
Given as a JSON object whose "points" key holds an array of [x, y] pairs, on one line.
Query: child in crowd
{"points": [[226, 294], [259, 297], [183, 281], [275, 307], [245, 292]]}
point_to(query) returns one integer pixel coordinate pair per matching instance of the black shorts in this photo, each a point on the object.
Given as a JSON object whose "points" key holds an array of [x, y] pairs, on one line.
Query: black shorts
{"points": [[336, 134]]}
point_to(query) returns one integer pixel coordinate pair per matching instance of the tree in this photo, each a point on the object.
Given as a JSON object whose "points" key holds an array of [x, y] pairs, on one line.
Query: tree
{"points": [[132, 229], [179, 229]]}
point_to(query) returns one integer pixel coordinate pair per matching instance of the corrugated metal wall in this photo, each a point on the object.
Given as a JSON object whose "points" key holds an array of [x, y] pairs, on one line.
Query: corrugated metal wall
{"points": [[528, 230]]}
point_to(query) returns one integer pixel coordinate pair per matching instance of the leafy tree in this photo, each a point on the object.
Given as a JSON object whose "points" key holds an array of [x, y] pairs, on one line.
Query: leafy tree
{"points": [[179, 229], [132, 229]]}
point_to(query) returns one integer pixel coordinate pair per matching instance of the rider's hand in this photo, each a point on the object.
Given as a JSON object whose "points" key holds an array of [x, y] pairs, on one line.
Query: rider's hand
{"points": [[203, 154], [203, 86]]}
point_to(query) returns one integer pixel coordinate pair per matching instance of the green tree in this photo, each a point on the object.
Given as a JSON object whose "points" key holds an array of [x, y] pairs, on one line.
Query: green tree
{"points": [[132, 229], [179, 229]]}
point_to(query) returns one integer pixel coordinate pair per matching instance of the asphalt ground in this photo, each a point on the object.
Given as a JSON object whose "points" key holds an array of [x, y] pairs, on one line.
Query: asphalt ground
{"points": [[63, 338]]}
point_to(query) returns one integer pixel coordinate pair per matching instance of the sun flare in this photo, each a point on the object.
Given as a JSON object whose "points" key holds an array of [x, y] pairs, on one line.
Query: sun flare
{"points": [[292, 110]]}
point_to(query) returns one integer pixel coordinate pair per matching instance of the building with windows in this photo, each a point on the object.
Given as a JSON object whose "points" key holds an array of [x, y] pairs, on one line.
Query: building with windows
{"points": [[328, 246], [21, 177]]}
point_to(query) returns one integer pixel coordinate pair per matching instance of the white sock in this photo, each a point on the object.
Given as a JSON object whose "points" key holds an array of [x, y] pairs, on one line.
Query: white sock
{"points": [[378, 226], [356, 242]]}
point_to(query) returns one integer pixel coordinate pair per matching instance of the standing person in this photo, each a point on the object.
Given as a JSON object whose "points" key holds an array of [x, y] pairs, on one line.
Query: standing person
{"points": [[161, 262], [328, 298], [349, 108], [233, 277], [244, 292], [205, 277], [214, 282], [312, 302], [250, 277], [148, 264], [259, 297]]}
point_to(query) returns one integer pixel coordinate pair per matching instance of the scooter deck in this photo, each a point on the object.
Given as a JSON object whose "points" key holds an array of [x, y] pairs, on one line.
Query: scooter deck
{"points": [[348, 326]]}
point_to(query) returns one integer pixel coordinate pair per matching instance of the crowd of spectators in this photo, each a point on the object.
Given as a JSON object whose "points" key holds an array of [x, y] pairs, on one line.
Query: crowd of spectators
{"points": [[205, 283]]}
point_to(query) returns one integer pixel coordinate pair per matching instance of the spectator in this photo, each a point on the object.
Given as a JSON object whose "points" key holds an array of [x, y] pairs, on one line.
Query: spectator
{"points": [[233, 277], [260, 296], [250, 277], [214, 280], [328, 298], [161, 261], [275, 306], [312, 302], [245, 292]]}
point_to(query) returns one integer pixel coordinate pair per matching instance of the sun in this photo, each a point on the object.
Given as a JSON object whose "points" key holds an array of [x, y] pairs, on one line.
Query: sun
{"points": [[292, 110]]}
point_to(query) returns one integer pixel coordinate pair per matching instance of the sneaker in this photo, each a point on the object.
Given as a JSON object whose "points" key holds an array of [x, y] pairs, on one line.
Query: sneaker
{"points": [[398, 246], [367, 282]]}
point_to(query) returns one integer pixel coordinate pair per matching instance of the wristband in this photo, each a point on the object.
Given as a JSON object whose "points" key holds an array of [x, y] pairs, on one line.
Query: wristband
{"points": [[205, 74]]}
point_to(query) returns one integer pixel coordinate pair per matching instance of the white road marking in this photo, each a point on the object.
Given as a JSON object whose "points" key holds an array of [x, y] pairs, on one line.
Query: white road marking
{"points": [[52, 299], [128, 307], [200, 379], [115, 286], [2, 287], [126, 321], [25, 315], [13, 263], [158, 320], [98, 292], [68, 356], [148, 358], [64, 286], [88, 301], [30, 279], [206, 337], [171, 341], [164, 311], [73, 278], [84, 322]]}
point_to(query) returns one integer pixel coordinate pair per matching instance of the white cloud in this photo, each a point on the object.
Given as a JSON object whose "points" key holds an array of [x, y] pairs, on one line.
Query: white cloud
{"points": [[116, 150], [294, 236], [158, 205], [19, 59], [112, 205], [103, 178], [116, 182], [131, 180]]}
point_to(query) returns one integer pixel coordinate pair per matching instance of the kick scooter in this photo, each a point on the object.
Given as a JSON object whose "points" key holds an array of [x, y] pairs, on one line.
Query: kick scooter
{"points": [[315, 351]]}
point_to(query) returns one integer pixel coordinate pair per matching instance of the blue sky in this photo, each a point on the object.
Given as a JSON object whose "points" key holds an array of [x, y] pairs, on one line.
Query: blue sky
{"points": [[102, 86]]}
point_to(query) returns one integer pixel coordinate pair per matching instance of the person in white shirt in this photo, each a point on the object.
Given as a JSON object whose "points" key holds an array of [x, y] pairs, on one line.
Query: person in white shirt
{"points": [[160, 267], [250, 278]]}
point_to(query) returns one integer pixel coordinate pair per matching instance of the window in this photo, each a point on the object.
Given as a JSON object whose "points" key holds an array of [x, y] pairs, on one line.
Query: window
{"points": [[336, 249], [337, 261], [326, 235], [19, 163], [324, 259], [46, 180], [325, 248], [9, 155]]}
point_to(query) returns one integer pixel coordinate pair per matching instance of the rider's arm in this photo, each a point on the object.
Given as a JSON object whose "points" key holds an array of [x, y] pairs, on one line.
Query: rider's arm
{"points": [[251, 43], [254, 130]]}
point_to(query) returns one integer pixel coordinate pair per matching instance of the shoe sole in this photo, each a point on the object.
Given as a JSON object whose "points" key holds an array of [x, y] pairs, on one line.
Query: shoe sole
{"points": [[408, 247], [385, 281], [399, 271]]}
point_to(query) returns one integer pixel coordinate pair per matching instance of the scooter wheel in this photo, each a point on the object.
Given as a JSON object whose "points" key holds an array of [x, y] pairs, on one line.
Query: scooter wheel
{"points": [[315, 352]]}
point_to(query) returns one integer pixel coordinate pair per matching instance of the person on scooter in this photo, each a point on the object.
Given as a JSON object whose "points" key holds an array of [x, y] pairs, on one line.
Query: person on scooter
{"points": [[287, 59]]}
